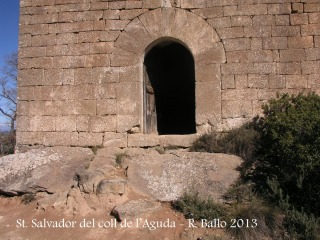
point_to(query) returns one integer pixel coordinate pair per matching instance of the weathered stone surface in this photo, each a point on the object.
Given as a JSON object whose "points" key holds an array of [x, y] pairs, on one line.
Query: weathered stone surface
{"points": [[112, 139], [88, 180], [134, 209], [40, 170], [115, 186], [178, 140], [164, 177], [143, 140], [90, 139]]}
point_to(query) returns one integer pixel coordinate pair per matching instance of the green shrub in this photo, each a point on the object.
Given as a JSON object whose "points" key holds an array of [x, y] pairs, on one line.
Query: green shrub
{"points": [[206, 143], [238, 141], [289, 149], [301, 225], [260, 220], [197, 208]]}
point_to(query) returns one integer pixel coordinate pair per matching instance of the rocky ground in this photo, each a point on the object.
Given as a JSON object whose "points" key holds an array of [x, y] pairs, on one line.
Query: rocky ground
{"points": [[73, 193]]}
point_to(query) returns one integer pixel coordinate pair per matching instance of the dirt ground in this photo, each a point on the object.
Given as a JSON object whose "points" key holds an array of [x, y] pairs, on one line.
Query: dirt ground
{"points": [[24, 222]]}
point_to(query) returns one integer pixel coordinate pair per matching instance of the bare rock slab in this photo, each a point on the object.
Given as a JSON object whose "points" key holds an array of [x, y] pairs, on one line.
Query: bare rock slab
{"points": [[116, 186], [134, 209], [50, 170], [167, 176]]}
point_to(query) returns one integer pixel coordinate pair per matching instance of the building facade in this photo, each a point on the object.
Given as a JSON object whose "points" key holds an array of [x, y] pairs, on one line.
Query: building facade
{"points": [[141, 73]]}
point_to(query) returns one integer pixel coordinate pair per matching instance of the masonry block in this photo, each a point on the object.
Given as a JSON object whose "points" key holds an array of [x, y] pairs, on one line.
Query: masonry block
{"points": [[107, 90], [285, 31], [239, 94], [233, 109], [237, 57], [313, 54], [112, 139], [257, 31], [299, 19], [178, 140], [237, 44], [29, 77], [312, 7], [132, 13], [300, 42], [281, 8], [66, 123], [221, 22], [282, 20], [90, 139], [30, 138], [237, 21], [233, 32], [296, 81], [126, 122], [103, 124], [128, 95], [237, 68], [86, 107], [208, 72], [192, 4], [60, 139], [277, 81], [260, 20], [227, 82], [106, 106], [212, 12], [310, 67], [292, 55], [258, 81], [258, 56], [317, 41], [314, 17], [43, 123], [117, 4], [275, 43], [310, 29], [314, 81], [289, 68], [143, 140]]}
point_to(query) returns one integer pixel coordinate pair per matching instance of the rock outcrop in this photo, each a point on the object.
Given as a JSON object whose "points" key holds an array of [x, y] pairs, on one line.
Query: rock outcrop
{"points": [[77, 182], [48, 170]]}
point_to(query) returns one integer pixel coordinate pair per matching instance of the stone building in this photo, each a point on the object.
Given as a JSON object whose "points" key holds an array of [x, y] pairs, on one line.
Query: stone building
{"points": [[149, 72]]}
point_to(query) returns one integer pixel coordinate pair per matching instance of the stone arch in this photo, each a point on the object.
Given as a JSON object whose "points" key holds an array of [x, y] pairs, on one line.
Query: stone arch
{"points": [[186, 27]]}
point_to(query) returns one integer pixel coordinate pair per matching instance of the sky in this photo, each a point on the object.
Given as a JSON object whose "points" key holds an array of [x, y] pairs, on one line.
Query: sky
{"points": [[9, 29]]}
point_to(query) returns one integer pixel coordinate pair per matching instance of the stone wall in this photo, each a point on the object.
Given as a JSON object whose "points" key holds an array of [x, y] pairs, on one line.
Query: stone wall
{"points": [[81, 64]]}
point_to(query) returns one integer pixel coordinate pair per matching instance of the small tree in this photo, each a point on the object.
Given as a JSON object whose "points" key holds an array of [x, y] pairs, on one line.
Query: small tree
{"points": [[289, 149], [8, 89]]}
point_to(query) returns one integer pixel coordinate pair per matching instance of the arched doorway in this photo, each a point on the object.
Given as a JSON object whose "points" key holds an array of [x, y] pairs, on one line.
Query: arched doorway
{"points": [[169, 74]]}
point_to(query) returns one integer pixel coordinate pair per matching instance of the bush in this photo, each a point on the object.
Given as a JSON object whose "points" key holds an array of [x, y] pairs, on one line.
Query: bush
{"points": [[256, 211], [197, 208], [239, 141], [7, 143], [301, 225], [289, 149], [258, 218]]}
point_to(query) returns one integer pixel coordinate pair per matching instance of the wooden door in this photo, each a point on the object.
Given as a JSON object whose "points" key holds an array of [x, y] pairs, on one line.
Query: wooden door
{"points": [[150, 105]]}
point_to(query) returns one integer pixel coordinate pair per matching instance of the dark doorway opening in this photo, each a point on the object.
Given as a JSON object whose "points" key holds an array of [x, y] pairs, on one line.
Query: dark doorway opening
{"points": [[170, 89]]}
